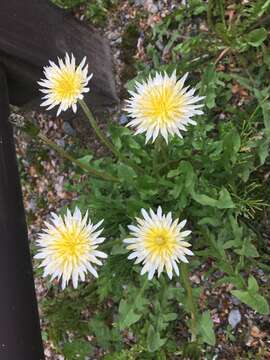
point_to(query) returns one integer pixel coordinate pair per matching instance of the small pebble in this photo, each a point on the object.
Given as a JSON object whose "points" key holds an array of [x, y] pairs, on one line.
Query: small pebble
{"points": [[60, 142], [150, 6], [139, 2], [123, 120], [234, 318], [68, 129]]}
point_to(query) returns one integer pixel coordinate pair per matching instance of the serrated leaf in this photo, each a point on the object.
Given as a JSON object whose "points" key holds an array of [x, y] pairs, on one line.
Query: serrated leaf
{"points": [[223, 202], [154, 341], [101, 331], [256, 37], [85, 160], [248, 250], [209, 83], [266, 114], [127, 315], [133, 144], [169, 317], [255, 301], [231, 244], [125, 172], [205, 200], [263, 151], [231, 145], [207, 328]]}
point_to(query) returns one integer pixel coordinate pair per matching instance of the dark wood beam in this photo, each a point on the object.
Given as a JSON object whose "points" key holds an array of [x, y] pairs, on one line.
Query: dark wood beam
{"points": [[20, 337], [32, 32]]}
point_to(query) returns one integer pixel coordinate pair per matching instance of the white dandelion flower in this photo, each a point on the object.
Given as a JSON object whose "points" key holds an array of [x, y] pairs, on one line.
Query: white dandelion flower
{"points": [[64, 84], [68, 247], [158, 243], [162, 105]]}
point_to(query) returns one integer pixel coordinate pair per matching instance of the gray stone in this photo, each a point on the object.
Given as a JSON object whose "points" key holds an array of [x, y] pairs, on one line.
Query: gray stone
{"points": [[68, 129], [61, 142], [150, 6], [139, 2], [123, 120], [234, 318]]}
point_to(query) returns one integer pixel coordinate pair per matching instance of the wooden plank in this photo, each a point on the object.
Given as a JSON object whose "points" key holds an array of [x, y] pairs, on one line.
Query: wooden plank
{"points": [[34, 31], [19, 330]]}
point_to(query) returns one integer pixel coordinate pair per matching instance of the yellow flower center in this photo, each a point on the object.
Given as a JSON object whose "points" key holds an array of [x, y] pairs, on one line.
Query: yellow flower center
{"points": [[67, 85], [161, 103], [160, 242], [70, 245]]}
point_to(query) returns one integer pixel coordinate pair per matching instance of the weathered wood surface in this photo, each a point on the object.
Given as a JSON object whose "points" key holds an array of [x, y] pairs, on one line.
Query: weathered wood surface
{"points": [[34, 31], [20, 337]]}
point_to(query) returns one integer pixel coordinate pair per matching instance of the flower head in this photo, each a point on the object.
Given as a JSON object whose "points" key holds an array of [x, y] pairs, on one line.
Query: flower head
{"points": [[158, 242], [68, 247], [64, 84], [162, 105]]}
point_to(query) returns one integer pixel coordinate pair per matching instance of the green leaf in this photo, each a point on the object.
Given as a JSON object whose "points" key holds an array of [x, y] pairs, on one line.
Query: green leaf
{"points": [[154, 341], [126, 173], [252, 285], [213, 221], [173, 173], [85, 160], [177, 189], [248, 250], [266, 114], [263, 151], [266, 56], [231, 145], [231, 244], [205, 200], [133, 144], [223, 202], [206, 327], [78, 349], [169, 317], [255, 301], [209, 84], [256, 37], [101, 331], [127, 315], [197, 7]]}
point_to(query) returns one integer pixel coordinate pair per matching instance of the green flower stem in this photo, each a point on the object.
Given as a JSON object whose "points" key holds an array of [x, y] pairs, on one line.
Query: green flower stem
{"points": [[97, 130], [190, 300], [209, 15], [156, 158], [104, 139], [160, 155], [222, 14], [34, 132], [65, 155]]}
